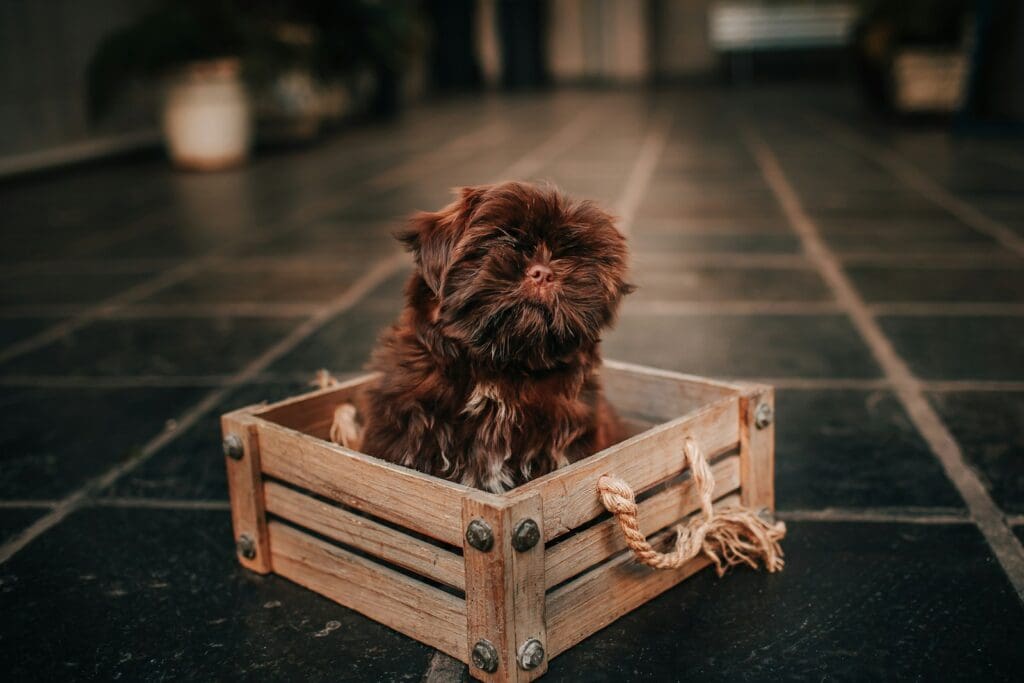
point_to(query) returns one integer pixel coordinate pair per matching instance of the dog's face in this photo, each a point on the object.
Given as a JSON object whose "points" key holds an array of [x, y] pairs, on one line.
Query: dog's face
{"points": [[521, 276]]}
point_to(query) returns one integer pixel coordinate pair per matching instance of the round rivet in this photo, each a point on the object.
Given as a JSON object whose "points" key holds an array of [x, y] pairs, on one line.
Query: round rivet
{"points": [[763, 415], [246, 547], [479, 535], [484, 656], [233, 447], [525, 535], [531, 654]]}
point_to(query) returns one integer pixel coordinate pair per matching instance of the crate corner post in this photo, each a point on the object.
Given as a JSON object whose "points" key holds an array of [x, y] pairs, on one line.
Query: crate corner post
{"points": [[757, 448], [505, 587], [245, 489]]}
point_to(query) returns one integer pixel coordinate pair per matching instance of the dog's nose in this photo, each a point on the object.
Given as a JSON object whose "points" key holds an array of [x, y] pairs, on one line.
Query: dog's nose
{"points": [[541, 275]]}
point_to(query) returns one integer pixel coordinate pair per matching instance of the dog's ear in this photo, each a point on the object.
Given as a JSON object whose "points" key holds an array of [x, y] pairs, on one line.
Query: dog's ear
{"points": [[432, 236]]}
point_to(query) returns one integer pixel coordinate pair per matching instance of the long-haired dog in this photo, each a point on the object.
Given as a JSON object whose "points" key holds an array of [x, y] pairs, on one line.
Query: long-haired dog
{"points": [[490, 376]]}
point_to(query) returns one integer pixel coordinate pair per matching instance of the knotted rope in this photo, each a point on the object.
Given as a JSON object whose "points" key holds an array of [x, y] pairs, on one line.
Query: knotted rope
{"points": [[728, 537]]}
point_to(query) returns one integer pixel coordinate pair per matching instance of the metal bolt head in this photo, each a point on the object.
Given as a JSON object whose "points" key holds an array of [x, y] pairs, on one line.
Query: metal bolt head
{"points": [[531, 654], [525, 535], [233, 447], [763, 415], [484, 656], [479, 535], [246, 546]]}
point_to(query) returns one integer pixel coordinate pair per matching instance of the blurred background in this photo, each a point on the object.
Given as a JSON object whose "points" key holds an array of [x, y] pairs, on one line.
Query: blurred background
{"points": [[197, 201], [87, 79]]}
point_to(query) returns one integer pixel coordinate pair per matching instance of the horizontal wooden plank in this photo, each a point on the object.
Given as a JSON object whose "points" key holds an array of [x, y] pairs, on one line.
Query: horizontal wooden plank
{"points": [[586, 605], [601, 541], [419, 611], [313, 412], [658, 395], [367, 535], [570, 494], [397, 494]]}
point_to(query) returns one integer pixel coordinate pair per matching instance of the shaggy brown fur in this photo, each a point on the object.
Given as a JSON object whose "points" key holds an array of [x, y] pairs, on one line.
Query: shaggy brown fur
{"points": [[490, 376]]}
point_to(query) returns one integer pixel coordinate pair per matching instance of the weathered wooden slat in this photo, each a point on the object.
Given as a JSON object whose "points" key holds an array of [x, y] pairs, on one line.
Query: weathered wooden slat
{"points": [[504, 588], [658, 395], [601, 541], [365, 534], [245, 488], [313, 412], [757, 447], [414, 500], [599, 597], [570, 494], [404, 604]]}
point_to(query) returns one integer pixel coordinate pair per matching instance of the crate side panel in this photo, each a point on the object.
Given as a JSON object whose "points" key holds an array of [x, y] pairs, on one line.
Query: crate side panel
{"points": [[601, 541], [411, 499], [599, 597], [366, 535], [570, 494], [419, 611], [656, 396], [312, 413]]}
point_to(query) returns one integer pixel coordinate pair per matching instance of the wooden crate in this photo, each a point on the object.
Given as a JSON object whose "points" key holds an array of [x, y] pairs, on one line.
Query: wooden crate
{"points": [[391, 543]]}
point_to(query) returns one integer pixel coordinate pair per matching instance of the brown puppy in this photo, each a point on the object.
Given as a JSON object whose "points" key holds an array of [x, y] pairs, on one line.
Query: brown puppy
{"points": [[490, 376]]}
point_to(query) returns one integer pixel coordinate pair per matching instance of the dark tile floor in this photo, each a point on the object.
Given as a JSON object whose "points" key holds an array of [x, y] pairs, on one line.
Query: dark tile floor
{"points": [[137, 304]]}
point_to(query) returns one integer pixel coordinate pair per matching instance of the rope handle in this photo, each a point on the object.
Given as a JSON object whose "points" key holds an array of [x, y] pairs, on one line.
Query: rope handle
{"points": [[728, 537]]}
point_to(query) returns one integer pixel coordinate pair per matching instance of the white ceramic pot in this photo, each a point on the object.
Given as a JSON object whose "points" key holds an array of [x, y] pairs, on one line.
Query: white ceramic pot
{"points": [[207, 117]]}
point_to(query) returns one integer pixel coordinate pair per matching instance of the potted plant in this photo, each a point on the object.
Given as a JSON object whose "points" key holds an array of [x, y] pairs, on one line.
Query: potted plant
{"points": [[202, 53]]}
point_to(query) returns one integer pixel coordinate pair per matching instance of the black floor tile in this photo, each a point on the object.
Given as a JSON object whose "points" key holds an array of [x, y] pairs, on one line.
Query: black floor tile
{"points": [[261, 284], [16, 329], [939, 284], [1019, 530], [990, 429], [714, 243], [743, 346], [52, 441], [729, 284], [853, 449], [959, 347], [30, 289], [157, 594], [344, 345], [15, 520], [159, 346], [855, 602], [192, 465]]}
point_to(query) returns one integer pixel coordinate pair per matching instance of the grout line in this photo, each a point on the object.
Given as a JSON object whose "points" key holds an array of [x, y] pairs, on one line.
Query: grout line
{"points": [[413, 169], [654, 260], [160, 504], [535, 157], [305, 214], [357, 291], [914, 178], [639, 179], [931, 259], [903, 515], [1015, 520], [532, 162], [984, 511]]}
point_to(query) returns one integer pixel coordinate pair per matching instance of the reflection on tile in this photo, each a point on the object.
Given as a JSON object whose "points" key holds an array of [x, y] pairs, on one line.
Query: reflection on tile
{"points": [[158, 594], [729, 284], [743, 346], [852, 449]]}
